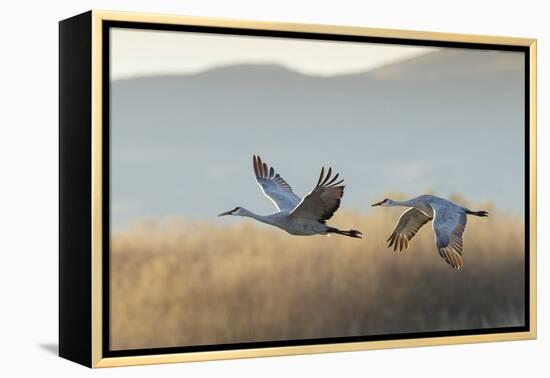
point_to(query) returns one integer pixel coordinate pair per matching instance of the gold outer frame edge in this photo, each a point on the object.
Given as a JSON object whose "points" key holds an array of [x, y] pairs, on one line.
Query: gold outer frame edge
{"points": [[309, 349], [98, 360], [533, 187], [97, 195]]}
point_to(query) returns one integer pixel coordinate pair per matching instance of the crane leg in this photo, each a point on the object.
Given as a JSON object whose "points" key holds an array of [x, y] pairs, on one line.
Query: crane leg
{"points": [[350, 233]]}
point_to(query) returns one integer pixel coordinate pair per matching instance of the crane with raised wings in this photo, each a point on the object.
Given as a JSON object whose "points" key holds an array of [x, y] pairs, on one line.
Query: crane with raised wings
{"points": [[306, 216]]}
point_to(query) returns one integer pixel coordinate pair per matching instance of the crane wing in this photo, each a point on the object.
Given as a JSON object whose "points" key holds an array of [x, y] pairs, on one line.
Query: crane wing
{"points": [[274, 186], [323, 200], [449, 223], [408, 225]]}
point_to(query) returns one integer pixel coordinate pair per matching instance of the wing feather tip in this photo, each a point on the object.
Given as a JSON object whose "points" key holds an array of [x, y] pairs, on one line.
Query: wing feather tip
{"points": [[320, 176]]}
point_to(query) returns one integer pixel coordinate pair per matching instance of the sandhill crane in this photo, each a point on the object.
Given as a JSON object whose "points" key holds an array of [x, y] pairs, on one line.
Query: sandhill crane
{"points": [[295, 216], [449, 221]]}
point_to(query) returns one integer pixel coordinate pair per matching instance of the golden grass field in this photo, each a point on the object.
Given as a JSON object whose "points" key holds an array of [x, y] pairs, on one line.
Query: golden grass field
{"points": [[177, 282]]}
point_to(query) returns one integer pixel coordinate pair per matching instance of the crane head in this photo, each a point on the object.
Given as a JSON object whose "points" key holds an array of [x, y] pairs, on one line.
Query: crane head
{"points": [[235, 211], [385, 202]]}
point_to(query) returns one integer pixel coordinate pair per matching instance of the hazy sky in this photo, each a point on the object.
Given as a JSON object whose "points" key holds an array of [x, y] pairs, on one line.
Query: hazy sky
{"points": [[146, 52], [402, 119]]}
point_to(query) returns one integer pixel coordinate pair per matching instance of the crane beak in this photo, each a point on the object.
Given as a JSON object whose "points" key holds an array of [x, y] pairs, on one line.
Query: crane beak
{"points": [[377, 203], [226, 213]]}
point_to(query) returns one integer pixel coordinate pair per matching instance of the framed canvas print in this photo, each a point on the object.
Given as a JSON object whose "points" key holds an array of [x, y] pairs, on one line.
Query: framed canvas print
{"points": [[203, 208]]}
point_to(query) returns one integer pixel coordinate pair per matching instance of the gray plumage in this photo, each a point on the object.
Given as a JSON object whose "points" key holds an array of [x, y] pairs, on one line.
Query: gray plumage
{"points": [[448, 222], [306, 216]]}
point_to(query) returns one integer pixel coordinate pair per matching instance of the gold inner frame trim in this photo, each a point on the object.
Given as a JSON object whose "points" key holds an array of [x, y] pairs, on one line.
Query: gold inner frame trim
{"points": [[97, 280]]}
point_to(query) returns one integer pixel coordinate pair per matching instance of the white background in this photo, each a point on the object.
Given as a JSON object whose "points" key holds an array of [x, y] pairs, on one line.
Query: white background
{"points": [[29, 189]]}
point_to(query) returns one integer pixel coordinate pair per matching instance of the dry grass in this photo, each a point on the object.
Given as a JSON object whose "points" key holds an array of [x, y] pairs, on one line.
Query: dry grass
{"points": [[178, 282]]}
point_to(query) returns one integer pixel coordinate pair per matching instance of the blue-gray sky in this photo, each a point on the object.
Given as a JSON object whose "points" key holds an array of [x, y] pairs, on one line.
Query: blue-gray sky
{"points": [[183, 133]]}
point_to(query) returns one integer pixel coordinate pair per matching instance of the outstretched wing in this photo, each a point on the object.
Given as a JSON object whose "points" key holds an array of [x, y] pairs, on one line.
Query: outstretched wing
{"points": [[274, 186], [323, 201], [448, 225], [408, 225]]}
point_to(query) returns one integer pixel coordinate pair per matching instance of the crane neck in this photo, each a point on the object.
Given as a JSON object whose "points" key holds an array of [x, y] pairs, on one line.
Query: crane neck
{"points": [[268, 219], [408, 203], [418, 203]]}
